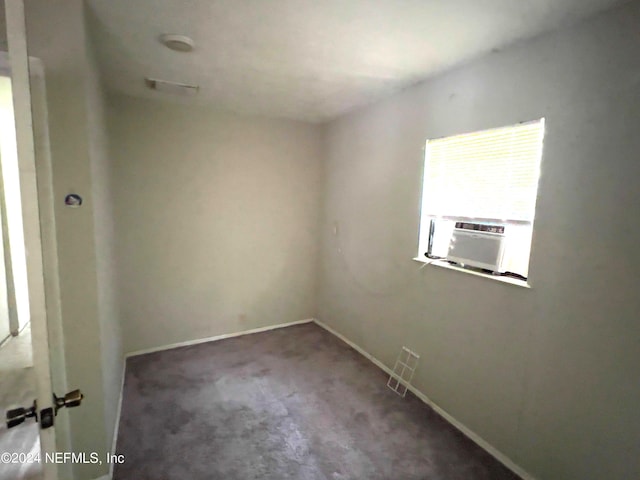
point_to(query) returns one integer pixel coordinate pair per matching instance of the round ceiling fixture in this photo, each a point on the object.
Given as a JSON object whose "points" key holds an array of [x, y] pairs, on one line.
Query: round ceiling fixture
{"points": [[179, 43]]}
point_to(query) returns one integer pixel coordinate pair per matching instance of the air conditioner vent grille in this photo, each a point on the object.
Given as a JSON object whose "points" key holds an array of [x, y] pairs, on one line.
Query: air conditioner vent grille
{"points": [[478, 247]]}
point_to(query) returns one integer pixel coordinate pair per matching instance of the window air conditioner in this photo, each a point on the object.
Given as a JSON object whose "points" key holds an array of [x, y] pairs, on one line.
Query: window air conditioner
{"points": [[478, 245]]}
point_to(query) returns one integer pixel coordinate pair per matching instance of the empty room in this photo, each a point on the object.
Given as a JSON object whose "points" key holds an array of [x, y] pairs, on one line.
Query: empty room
{"points": [[325, 240]]}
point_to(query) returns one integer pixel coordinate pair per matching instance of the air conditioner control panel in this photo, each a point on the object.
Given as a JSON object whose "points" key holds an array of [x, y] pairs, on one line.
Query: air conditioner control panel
{"points": [[480, 227]]}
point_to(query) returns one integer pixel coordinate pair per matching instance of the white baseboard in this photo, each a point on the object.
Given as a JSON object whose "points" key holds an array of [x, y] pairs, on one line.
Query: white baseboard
{"points": [[216, 338], [502, 458]]}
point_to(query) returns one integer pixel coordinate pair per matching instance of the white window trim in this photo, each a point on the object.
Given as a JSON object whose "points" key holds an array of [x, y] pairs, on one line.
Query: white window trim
{"points": [[498, 278]]}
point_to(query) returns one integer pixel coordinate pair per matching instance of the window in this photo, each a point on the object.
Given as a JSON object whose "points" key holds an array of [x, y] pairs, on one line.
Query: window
{"points": [[480, 181]]}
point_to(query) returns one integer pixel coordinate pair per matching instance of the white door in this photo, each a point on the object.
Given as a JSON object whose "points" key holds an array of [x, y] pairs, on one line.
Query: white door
{"points": [[39, 229]]}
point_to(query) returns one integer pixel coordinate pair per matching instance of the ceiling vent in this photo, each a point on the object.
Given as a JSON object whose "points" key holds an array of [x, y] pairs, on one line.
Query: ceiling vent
{"points": [[174, 88], [179, 43]]}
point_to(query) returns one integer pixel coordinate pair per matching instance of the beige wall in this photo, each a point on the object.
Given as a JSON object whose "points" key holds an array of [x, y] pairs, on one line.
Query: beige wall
{"points": [[216, 220], [104, 231], [549, 376]]}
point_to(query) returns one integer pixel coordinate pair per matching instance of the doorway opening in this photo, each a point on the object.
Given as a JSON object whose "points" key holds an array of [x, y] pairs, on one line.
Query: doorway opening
{"points": [[17, 376]]}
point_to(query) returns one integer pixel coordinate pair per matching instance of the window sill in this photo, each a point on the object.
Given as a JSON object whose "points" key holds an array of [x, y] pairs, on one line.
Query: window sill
{"points": [[442, 264]]}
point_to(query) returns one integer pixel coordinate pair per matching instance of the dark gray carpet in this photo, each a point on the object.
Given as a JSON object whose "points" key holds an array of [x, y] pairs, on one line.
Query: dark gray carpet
{"points": [[293, 403]]}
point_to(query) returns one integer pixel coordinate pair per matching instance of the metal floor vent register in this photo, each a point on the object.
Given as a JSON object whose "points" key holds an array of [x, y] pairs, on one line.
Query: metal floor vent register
{"points": [[403, 371]]}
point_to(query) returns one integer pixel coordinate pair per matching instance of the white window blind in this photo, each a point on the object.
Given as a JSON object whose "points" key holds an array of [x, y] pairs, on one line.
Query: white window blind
{"points": [[492, 174]]}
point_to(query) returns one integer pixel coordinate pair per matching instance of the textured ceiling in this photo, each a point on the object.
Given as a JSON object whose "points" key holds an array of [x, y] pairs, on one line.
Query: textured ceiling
{"points": [[308, 59]]}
